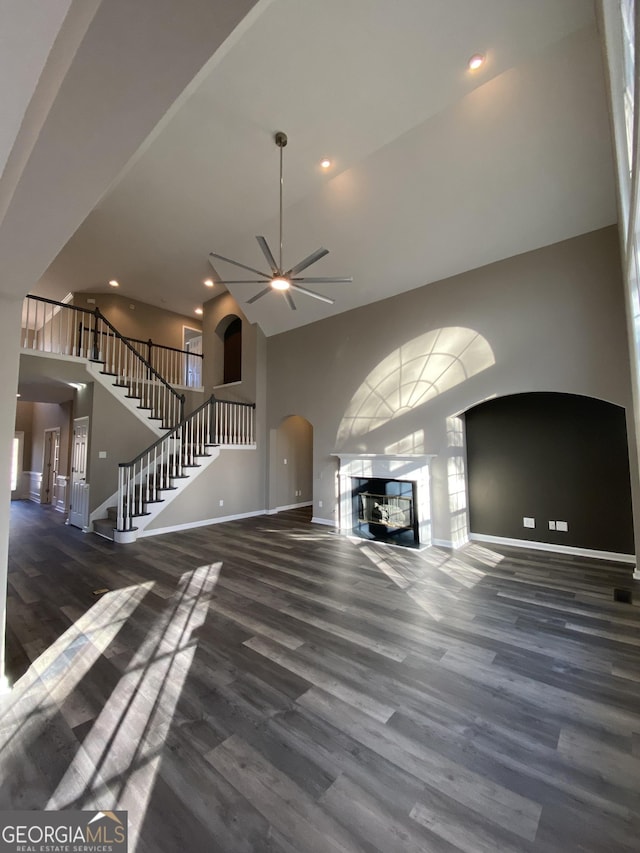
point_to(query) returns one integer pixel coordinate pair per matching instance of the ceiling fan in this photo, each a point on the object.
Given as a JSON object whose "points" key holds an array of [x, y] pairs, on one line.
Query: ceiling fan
{"points": [[280, 279]]}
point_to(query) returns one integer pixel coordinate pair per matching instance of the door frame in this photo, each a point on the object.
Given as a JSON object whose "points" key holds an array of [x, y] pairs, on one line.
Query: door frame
{"points": [[48, 482], [74, 494]]}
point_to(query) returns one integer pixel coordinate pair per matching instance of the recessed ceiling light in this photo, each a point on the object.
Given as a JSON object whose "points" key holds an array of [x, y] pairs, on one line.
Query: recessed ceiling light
{"points": [[208, 282], [279, 284], [114, 283], [475, 62], [325, 163], [198, 310]]}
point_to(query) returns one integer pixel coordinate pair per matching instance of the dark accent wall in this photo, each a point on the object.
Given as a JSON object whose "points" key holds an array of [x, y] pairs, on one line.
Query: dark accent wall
{"points": [[550, 456]]}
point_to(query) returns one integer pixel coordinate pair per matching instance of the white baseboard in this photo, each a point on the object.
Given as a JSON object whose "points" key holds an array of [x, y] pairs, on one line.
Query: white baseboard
{"points": [[289, 506], [442, 543], [328, 521], [175, 528], [558, 549]]}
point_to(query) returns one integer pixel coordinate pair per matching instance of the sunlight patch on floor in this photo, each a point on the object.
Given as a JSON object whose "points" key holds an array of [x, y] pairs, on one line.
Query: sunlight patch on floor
{"points": [[124, 746], [433, 580], [61, 667]]}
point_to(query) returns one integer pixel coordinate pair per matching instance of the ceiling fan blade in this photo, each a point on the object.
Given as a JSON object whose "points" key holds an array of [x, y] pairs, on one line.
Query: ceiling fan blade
{"points": [[289, 299], [319, 253], [266, 251], [259, 295], [312, 293], [238, 264], [216, 275], [244, 281], [324, 279]]}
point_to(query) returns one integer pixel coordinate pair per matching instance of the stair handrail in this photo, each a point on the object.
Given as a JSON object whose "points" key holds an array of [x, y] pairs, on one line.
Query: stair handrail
{"points": [[180, 397], [93, 351], [168, 435], [211, 424], [59, 304], [147, 343]]}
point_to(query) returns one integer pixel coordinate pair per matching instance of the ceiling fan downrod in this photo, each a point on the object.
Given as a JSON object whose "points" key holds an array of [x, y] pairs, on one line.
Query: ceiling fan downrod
{"points": [[281, 141], [280, 279]]}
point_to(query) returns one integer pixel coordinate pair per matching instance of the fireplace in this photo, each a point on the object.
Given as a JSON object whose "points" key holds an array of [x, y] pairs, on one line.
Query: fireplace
{"points": [[385, 497], [383, 509]]}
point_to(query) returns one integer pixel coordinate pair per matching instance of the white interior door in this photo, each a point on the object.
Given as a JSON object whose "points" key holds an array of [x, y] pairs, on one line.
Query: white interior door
{"points": [[192, 344], [50, 465], [79, 501]]}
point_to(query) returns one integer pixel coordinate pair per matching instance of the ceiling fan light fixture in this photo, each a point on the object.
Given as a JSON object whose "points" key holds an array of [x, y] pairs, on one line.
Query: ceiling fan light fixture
{"points": [[280, 278]]}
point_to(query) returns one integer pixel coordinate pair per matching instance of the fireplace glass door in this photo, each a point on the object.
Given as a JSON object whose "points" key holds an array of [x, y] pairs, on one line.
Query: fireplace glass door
{"points": [[384, 509]]}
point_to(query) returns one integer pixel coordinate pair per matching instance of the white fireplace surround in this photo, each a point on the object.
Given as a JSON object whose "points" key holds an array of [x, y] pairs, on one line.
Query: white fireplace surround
{"points": [[409, 467]]}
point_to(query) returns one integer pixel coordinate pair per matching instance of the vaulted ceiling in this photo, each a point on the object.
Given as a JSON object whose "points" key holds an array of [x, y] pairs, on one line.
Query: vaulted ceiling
{"points": [[435, 169]]}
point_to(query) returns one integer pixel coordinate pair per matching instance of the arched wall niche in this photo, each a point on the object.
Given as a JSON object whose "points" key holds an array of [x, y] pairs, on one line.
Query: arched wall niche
{"points": [[227, 350], [559, 459]]}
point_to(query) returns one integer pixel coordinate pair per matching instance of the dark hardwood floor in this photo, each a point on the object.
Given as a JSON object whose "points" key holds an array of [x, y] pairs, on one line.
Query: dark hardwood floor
{"points": [[268, 685]]}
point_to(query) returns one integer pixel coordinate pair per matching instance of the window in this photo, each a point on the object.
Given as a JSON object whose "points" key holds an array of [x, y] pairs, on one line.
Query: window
{"points": [[16, 460]]}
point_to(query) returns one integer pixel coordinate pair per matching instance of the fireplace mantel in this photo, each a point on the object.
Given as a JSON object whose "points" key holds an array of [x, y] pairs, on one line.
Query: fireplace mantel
{"points": [[412, 467]]}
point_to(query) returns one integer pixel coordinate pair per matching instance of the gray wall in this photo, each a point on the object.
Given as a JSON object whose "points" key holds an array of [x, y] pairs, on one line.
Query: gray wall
{"points": [[114, 429], [135, 319], [235, 477], [397, 373], [550, 457]]}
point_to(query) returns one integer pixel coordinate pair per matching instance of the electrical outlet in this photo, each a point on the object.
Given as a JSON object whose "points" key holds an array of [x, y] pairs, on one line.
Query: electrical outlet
{"points": [[320, 504], [552, 525], [221, 502], [528, 522], [284, 461], [102, 454], [562, 526]]}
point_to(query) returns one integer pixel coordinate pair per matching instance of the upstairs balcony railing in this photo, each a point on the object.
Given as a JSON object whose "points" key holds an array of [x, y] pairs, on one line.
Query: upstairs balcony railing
{"points": [[141, 481], [57, 328]]}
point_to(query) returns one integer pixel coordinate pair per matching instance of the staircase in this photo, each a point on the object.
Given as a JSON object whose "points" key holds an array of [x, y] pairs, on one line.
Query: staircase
{"points": [[54, 328], [156, 476], [185, 446]]}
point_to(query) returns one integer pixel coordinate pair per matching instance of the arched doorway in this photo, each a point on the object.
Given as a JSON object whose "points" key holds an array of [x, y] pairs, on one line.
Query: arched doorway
{"points": [[291, 464]]}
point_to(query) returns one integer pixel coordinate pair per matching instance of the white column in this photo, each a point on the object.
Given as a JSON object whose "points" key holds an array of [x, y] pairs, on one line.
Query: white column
{"points": [[10, 316]]}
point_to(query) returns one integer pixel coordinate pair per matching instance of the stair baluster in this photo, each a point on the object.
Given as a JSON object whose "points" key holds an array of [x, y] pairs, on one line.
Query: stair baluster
{"points": [[142, 479]]}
